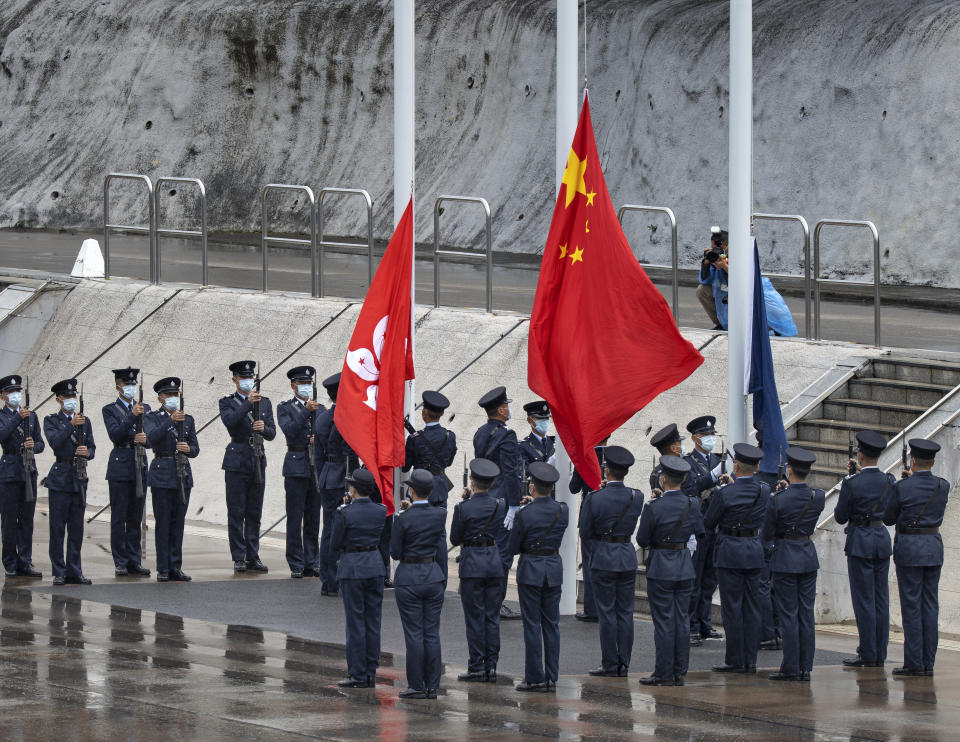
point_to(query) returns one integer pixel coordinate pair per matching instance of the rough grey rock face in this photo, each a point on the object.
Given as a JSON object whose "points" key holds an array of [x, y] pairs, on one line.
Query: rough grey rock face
{"points": [[855, 116]]}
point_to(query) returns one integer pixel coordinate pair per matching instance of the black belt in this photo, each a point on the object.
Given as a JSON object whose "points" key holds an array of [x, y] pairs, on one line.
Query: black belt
{"points": [[868, 524], [794, 537], [740, 532], [67, 460], [541, 552], [241, 439], [123, 445], [355, 549], [479, 542], [336, 459], [908, 531], [13, 452], [296, 449], [670, 546], [614, 539], [417, 560], [164, 457]]}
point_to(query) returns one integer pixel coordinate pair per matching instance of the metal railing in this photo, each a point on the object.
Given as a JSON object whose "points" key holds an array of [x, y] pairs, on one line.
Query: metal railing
{"points": [[188, 233], [317, 285], [437, 252], [149, 230], [674, 256], [807, 314], [817, 280], [266, 239]]}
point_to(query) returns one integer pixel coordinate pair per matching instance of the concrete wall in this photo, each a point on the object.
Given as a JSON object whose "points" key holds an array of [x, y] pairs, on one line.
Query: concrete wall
{"points": [[855, 114]]}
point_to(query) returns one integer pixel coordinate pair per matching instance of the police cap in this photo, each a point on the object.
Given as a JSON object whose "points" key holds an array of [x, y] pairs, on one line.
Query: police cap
{"points": [[702, 424], [435, 401], [484, 469], [494, 398], [542, 473], [674, 467], [539, 410], [421, 481], [747, 454], [128, 375], [168, 384], [332, 382], [871, 443], [301, 373], [10, 383], [923, 449], [243, 368], [800, 459], [362, 481], [665, 436], [67, 387], [618, 457]]}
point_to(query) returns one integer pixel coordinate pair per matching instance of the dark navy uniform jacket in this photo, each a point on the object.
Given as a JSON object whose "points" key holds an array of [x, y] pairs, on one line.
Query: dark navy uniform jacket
{"points": [[479, 520], [612, 513], [161, 433], [11, 437], [433, 449], [532, 529], [121, 427], [294, 419], [360, 525], [62, 437], [237, 414], [495, 441], [742, 505], [333, 455], [793, 511], [903, 510], [699, 480], [420, 532], [863, 498], [658, 522], [534, 448]]}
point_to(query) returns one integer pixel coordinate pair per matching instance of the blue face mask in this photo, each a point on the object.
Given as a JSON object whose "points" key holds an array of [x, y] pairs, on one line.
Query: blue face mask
{"points": [[245, 385], [129, 390], [305, 391], [542, 426], [15, 399], [71, 404], [708, 442], [171, 403]]}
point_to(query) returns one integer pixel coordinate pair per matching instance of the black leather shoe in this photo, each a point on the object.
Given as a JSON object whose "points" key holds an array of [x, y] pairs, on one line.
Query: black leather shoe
{"points": [[240, 566], [679, 681], [163, 577], [750, 670], [711, 633], [581, 616], [255, 565], [805, 677], [10, 572], [551, 687], [353, 682], [138, 571], [695, 640], [783, 676], [858, 661], [472, 677], [601, 672], [928, 672], [59, 580], [412, 693], [296, 574], [121, 571], [526, 687], [508, 614], [30, 571], [770, 644], [177, 576], [310, 572], [431, 693], [729, 668], [387, 583], [490, 676], [78, 580], [657, 680], [907, 672], [623, 671]]}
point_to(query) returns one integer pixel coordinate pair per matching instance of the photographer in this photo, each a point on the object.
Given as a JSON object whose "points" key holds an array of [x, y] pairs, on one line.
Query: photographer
{"points": [[712, 291]]}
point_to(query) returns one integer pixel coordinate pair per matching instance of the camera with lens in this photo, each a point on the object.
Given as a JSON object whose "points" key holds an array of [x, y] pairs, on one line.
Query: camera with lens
{"points": [[713, 255]]}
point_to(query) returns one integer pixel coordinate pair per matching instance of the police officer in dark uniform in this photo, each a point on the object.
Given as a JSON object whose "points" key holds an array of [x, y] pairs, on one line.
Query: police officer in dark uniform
{"points": [[737, 510], [67, 482], [577, 485], [609, 520], [19, 432], [162, 428], [477, 528], [335, 459], [126, 508], [861, 505], [700, 483], [358, 530], [790, 522], [244, 487], [432, 448], [496, 442], [419, 543], [295, 417], [916, 509], [538, 446], [538, 529], [666, 525], [668, 442]]}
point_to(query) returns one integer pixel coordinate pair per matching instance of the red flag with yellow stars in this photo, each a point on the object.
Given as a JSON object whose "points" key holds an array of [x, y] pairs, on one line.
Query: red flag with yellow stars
{"points": [[603, 342]]}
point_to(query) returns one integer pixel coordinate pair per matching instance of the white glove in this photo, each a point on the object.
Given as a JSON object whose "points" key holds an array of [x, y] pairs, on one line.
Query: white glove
{"points": [[692, 543]]}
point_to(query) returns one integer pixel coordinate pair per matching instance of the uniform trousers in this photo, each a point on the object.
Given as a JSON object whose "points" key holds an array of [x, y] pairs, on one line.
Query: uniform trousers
{"points": [[701, 599], [362, 609], [126, 516], [614, 593], [481, 600], [303, 523], [66, 515], [920, 614], [870, 593], [740, 606], [16, 525], [330, 500], [244, 509], [795, 594], [670, 608], [170, 514], [769, 626], [419, 607], [540, 610], [586, 555]]}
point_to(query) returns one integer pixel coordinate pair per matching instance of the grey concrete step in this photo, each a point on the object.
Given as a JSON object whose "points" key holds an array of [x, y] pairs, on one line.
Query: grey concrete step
{"points": [[829, 455], [897, 391], [825, 477], [820, 429], [869, 412], [917, 369]]}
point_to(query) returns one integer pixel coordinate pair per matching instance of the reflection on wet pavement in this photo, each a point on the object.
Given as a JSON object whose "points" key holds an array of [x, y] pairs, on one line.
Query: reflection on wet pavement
{"points": [[82, 670]]}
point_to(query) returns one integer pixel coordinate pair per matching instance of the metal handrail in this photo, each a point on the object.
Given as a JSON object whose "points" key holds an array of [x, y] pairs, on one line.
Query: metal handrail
{"points": [[806, 259], [321, 244], [267, 239], [674, 256], [202, 234], [108, 227], [876, 272], [437, 252]]}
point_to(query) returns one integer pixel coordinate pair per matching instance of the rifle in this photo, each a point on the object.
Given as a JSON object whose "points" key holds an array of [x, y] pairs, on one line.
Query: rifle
{"points": [[181, 457], [80, 462], [904, 458], [257, 437], [781, 468], [26, 454], [311, 451], [139, 450], [851, 464]]}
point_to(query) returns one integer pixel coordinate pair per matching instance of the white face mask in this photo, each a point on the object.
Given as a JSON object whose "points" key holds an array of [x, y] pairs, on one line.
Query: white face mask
{"points": [[71, 404], [245, 385], [509, 413], [683, 448], [542, 426], [14, 399], [305, 391], [171, 403], [129, 390], [708, 442]]}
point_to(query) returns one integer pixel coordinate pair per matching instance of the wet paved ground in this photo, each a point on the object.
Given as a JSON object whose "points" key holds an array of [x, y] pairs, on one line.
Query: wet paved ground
{"points": [[119, 660]]}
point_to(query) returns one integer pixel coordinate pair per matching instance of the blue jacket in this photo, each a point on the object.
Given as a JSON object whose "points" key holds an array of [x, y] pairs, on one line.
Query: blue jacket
{"points": [[793, 511], [294, 420], [612, 513], [236, 413], [659, 522], [904, 509], [420, 532], [62, 437], [162, 437], [742, 505], [334, 457], [433, 449], [863, 498], [540, 526], [479, 518], [11, 437], [121, 427], [699, 482], [495, 441], [360, 525]]}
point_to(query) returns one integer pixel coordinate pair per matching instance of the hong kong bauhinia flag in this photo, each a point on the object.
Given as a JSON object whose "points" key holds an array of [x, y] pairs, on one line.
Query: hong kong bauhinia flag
{"points": [[603, 342], [369, 411]]}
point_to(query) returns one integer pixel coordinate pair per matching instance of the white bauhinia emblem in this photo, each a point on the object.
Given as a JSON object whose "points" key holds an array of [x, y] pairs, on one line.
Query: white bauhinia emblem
{"points": [[365, 363]]}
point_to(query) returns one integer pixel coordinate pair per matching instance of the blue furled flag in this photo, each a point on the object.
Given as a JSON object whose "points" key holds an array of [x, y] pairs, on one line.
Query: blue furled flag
{"points": [[760, 381]]}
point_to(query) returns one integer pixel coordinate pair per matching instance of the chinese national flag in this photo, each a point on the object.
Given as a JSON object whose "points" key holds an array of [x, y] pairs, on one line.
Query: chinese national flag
{"points": [[369, 411], [603, 342]]}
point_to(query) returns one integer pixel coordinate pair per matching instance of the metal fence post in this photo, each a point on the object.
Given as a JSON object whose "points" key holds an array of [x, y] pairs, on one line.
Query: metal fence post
{"points": [[674, 252], [266, 239], [323, 244], [202, 234], [437, 252], [806, 260], [149, 230]]}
